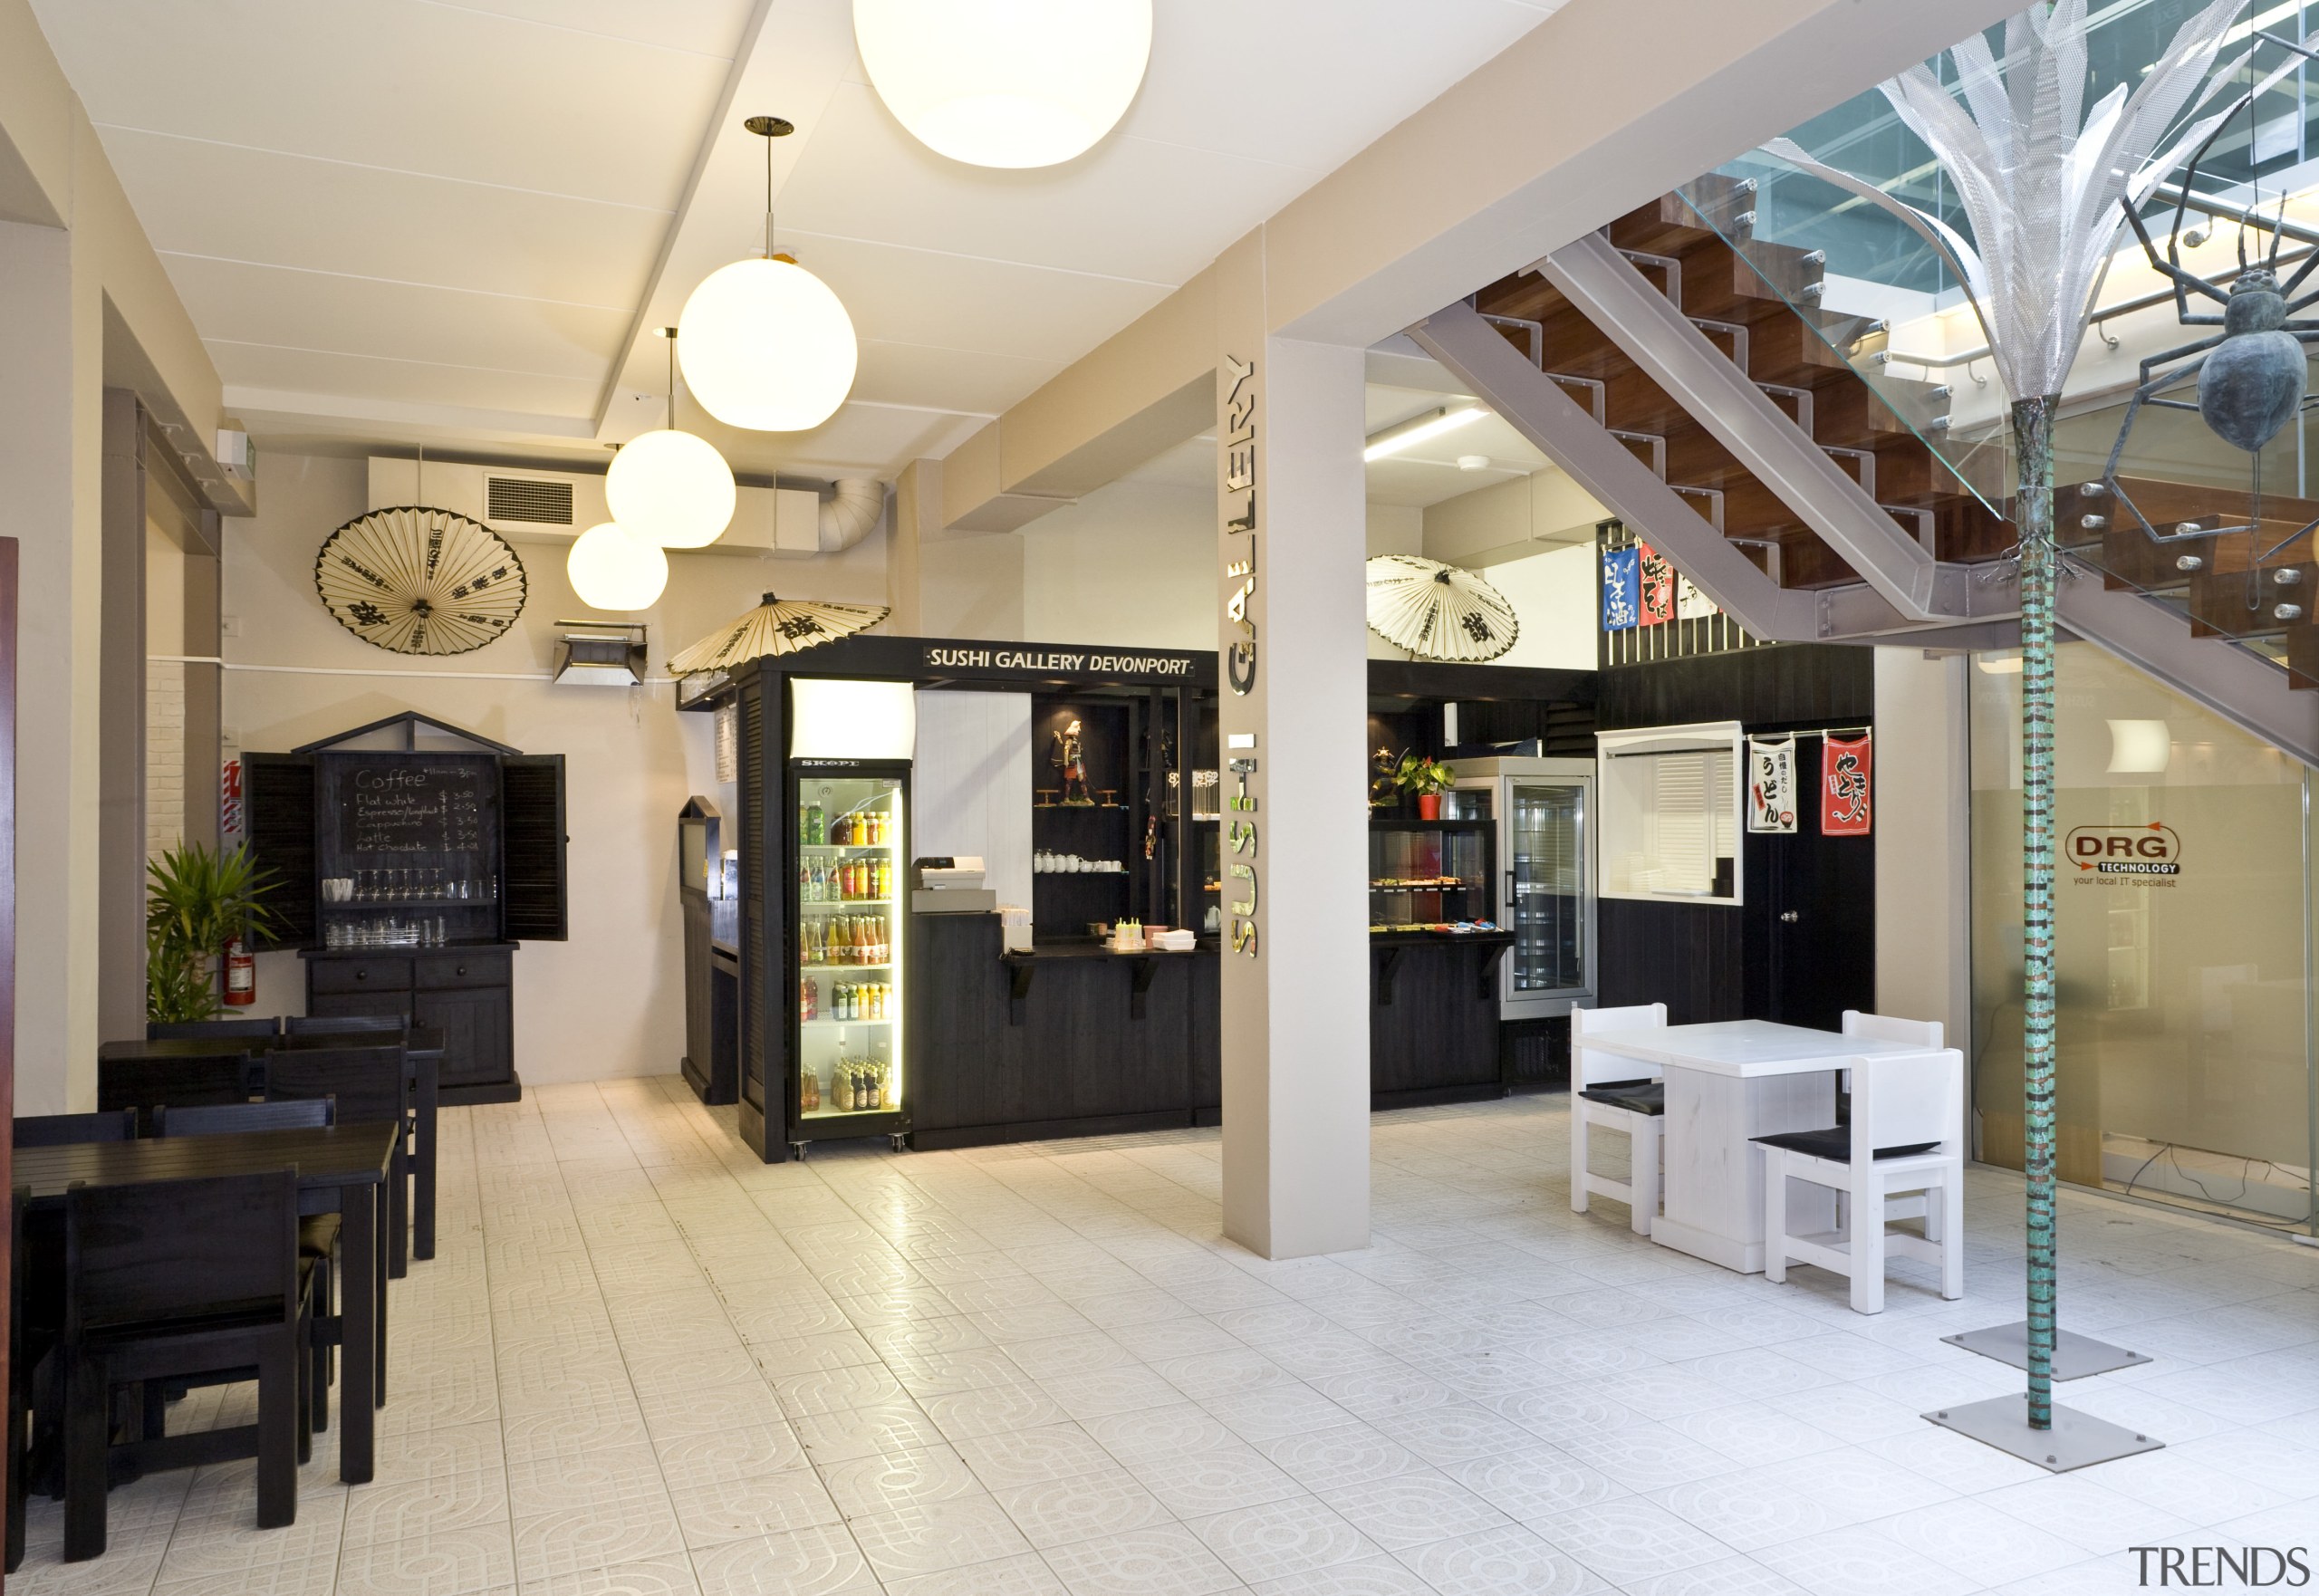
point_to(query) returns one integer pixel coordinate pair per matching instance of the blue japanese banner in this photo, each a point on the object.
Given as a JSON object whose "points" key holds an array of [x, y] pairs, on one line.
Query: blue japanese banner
{"points": [[1621, 588]]}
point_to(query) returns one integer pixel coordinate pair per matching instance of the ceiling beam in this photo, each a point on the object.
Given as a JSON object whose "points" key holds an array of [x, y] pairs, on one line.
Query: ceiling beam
{"points": [[790, 60]]}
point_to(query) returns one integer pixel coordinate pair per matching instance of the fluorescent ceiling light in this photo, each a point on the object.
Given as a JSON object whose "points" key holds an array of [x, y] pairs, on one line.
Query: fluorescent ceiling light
{"points": [[1416, 429]]}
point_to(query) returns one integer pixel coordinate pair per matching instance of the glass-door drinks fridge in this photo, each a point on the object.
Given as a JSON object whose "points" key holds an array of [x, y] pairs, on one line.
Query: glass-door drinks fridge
{"points": [[1543, 809], [852, 830]]}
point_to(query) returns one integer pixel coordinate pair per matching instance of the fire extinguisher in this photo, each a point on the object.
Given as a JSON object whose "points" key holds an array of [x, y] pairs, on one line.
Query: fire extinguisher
{"points": [[241, 975]]}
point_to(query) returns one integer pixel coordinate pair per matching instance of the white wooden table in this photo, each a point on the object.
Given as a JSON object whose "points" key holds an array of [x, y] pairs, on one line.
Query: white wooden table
{"points": [[1727, 1082]]}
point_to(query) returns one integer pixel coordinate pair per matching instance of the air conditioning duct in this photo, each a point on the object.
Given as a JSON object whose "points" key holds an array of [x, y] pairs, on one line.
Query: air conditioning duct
{"points": [[556, 507]]}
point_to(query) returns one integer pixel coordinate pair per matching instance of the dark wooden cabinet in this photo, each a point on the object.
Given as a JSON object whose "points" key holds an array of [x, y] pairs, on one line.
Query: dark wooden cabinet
{"points": [[410, 856], [466, 992]]}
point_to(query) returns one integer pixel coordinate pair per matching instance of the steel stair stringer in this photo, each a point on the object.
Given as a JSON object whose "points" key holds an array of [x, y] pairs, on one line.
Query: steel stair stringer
{"points": [[1534, 405], [1626, 309], [2155, 638]]}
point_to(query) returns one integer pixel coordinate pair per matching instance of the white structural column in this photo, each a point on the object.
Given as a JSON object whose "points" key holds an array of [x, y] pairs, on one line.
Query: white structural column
{"points": [[1291, 539], [50, 333]]}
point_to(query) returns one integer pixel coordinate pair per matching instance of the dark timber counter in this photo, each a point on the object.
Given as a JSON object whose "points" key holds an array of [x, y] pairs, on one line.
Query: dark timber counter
{"points": [[1073, 1040], [1433, 1030]]}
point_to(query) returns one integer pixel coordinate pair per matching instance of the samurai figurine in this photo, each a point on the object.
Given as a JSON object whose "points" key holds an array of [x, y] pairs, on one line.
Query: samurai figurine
{"points": [[1070, 756]]}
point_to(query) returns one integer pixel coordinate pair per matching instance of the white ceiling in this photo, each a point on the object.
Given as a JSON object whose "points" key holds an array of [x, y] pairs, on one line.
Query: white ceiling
{"points": [[412, 221]]}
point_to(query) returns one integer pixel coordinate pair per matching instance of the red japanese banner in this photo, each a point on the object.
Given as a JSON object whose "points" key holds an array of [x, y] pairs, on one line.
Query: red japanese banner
{"points": [[1657, 596], [1846, 783]]}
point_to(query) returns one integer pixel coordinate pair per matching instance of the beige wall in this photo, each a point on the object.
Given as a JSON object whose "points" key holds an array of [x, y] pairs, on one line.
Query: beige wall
{"points": [[1131, 565], [609, 1001], [1923, 844]]}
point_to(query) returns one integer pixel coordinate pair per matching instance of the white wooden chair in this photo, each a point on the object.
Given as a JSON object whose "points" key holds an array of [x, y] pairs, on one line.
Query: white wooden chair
{"points": [[1616, 1095], [1910, 1033], [1905, 1138]]}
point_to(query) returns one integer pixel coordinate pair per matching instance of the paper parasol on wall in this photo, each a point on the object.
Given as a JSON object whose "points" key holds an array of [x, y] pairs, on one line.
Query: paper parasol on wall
{"points": [[1437, 611], [777, 626], [415, 579]]}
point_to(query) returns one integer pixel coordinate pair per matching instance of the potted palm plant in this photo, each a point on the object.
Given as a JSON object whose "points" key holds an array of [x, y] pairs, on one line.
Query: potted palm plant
{"points": [[1425, 777], [198, 901]]}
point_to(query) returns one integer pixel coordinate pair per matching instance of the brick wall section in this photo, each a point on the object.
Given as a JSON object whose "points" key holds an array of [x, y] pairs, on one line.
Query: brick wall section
{"points": [[165, 773]]}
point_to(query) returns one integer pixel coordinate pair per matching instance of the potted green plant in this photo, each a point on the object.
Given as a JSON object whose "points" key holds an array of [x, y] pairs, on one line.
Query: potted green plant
{"points": [[1427, 778], [198, 901]]}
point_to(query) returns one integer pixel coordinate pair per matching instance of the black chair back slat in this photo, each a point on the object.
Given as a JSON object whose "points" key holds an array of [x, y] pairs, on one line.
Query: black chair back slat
{"points": [[231, 1119], [203, 1030], [161, 1250], [367, 1081], [136, 1083], [341, 1024], [62, 1130]]}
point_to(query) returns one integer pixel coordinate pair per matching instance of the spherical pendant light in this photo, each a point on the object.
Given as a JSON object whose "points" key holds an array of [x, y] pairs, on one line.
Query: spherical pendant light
{"points": [[613, 569], [672, 489], [766, 345], [1006, 82], [668, 486]]}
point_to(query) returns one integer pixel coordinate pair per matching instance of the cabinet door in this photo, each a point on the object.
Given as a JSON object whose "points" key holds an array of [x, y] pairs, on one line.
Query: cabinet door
{"points": [[479, 1039], [278, 797], [531, 847]]}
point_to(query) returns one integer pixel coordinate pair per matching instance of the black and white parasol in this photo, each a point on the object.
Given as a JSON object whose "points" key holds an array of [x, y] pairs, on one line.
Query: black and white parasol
{"points": [[415, 579], [1437, 611], [777, 626]]}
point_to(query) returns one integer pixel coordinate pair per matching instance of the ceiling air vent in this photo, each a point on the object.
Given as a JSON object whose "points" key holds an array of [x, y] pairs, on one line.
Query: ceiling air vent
{"points": [[519, 498]]}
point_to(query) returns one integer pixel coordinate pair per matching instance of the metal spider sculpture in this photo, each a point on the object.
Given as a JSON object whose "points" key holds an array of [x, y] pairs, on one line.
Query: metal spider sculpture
{"points": [[2251, 375]]}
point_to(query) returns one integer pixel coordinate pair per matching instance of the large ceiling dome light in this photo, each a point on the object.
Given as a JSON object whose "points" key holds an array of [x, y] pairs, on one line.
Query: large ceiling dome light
{"points": [[668, 486], [764, 343], [1006, 82]]}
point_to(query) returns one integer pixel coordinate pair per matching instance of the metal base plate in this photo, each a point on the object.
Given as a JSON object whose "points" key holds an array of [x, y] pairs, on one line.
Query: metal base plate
{"points": [[2077, 1439], [2075, 1356]]}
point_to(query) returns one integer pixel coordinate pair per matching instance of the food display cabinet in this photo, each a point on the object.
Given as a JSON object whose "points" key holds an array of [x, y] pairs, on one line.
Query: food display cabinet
{"points": [[1543, 812]]}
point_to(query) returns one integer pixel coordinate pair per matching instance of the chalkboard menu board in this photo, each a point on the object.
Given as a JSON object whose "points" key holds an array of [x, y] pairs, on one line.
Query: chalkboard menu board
{"points": [[434, 809], [395, 824]]}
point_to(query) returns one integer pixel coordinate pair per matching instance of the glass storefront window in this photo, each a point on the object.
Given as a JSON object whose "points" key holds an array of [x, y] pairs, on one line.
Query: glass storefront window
{"points": [[2185, 1030]]}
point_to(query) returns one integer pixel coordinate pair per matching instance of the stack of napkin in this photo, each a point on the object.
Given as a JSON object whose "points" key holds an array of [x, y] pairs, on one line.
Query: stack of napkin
{"points": [[1175, 941]]}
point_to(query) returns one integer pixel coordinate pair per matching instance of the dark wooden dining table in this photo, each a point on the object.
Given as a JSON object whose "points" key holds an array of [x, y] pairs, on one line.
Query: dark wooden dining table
{"points": [[423, 1056], [342, 1169]]}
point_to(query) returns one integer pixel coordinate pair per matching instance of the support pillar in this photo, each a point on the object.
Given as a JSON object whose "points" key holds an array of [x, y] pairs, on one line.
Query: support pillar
{"points": [[1294, 646], [51, 364]]}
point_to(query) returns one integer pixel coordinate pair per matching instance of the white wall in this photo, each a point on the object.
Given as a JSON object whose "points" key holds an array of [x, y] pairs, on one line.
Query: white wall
{"points": [[609, 1001], [1554, 596], [972, 784], [1923, 842], [1132, 565]]}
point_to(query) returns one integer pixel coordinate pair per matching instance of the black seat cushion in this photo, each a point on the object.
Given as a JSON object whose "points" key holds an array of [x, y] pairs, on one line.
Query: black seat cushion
{"points": [[1638, 1097], [1834, 1144]]}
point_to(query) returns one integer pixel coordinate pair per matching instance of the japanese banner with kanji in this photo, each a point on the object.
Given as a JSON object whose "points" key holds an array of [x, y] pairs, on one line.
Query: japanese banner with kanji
{"points": [[1771, 783], [1846, 773], [1621, 576], [1656, 598]]}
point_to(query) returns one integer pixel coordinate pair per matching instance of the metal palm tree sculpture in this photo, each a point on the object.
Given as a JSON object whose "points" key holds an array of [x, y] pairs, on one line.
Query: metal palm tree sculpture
{"points": [[2040, 179]]}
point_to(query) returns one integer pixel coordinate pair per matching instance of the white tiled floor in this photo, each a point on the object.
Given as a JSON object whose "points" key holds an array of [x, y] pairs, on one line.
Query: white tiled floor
{"points": [[643, 1362]]}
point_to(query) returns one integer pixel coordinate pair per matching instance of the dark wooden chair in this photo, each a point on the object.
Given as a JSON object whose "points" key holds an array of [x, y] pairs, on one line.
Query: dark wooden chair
{"points": [[341, 1024], [203, 1030], [141, 1084], [372, 1086], [318, 1233], [167, 1279], [59, 1130]]}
